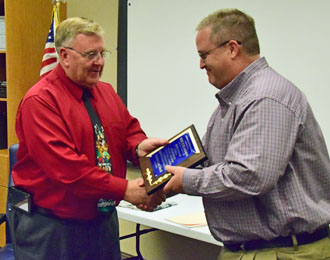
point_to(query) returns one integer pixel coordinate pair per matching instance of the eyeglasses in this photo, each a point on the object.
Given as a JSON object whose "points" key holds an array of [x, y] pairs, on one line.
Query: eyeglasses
{"points": [[91, 55], [203, 55]]}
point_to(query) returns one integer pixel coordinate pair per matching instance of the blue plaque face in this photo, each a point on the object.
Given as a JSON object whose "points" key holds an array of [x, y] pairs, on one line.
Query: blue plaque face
{"points": [[172, 154], [184, 149]]}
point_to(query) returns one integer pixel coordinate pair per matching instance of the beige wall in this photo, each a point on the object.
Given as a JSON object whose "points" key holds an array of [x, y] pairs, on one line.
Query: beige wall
{"points": [[157, 245], [105, 12]]}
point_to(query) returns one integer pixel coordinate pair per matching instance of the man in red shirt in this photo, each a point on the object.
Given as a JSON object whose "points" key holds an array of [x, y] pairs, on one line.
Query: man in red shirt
{"points": [[75, 137]]}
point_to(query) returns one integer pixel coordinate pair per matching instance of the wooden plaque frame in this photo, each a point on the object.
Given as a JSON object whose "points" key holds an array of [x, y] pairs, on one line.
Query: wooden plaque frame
{"points": [[153, 181]]}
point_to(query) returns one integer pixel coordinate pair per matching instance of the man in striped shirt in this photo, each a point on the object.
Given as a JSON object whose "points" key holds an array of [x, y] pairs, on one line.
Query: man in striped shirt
{"points": [[265, 185]]}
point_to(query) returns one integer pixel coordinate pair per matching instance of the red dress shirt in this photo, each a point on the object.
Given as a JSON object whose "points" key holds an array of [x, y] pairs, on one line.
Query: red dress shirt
{"points": [[56, 155]]}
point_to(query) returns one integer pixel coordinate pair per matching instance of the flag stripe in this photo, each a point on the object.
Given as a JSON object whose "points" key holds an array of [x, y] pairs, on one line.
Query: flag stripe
{"points": [[45, 70], [50, 55], [49, 59], [49, 50]]}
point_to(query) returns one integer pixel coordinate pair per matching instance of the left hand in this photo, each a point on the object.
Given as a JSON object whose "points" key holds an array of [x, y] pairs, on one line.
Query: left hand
{"points": [[136, 194], [155, 199], [150, 144], [175, 183]]}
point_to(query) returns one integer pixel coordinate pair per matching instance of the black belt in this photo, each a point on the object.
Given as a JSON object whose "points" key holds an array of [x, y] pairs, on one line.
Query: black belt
{"points": [[302, 239]]}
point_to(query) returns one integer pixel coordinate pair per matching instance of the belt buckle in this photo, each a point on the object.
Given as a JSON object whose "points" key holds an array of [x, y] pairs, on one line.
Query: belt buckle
{"points": [[242, 246]]}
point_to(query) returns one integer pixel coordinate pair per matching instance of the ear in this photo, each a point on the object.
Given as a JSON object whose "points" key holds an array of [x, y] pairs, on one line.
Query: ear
{"points": [[234, 48], [63, 56]]}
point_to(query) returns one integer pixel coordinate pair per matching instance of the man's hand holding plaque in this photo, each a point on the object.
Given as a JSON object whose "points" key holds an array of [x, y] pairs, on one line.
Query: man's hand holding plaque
{"points": [[184, 149]]}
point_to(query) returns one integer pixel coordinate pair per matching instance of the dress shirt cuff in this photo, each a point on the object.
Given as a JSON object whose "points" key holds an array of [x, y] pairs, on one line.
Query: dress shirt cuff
{"points": [[135, 158], [118, 188], [190, 181]]}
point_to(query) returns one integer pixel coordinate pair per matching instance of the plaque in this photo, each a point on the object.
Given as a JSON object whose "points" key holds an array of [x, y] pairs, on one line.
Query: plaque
{"points": [[184, 149]]}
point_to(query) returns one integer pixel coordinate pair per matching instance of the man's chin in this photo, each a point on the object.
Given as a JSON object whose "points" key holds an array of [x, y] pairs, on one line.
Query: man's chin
{"points": [[90, 84], [214, 84], [93, 81], [212, 81]]}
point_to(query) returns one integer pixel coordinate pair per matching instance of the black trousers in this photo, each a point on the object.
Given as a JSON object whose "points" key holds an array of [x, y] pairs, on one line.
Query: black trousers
{"points": [[41, 237]]}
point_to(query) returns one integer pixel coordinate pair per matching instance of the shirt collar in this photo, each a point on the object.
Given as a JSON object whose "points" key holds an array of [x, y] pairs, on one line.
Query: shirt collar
{"points": [[229, 92], [74, 89]]}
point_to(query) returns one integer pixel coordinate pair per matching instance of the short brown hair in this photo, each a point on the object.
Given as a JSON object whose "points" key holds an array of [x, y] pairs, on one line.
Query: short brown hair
{"points": [[232, 24]]}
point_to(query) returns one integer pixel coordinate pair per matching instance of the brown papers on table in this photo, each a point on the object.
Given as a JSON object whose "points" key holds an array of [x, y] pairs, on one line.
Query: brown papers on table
{"points": [[190, 220]]}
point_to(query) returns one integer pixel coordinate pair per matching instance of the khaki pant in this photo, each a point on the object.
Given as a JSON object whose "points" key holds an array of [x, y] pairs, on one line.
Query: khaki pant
{"points": [[319, 250]]}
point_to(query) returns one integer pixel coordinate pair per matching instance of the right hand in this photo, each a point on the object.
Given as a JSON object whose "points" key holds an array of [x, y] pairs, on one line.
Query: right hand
{"points": [[175, 183], [137, 195], [149, 145]]}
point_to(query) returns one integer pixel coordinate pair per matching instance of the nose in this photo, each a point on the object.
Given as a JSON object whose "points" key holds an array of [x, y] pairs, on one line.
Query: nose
{"points": [[202, 64]]}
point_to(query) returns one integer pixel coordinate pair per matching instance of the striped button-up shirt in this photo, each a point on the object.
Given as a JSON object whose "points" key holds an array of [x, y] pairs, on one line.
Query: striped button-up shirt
{"points": [[268, 169]]}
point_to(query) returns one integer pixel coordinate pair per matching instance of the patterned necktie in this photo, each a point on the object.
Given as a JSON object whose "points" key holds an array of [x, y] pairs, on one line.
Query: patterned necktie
{"points": [[103, 160]]}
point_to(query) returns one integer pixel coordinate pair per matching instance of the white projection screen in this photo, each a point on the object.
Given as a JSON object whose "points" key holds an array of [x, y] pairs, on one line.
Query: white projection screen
{"points": [[166, 89]]}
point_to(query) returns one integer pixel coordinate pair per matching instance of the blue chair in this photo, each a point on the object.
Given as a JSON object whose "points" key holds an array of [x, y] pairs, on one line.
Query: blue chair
{"points": [[7, 252]]}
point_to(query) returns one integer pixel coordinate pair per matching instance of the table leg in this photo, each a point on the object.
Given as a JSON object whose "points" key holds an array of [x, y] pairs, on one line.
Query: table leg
{"points": [[137, 235]]}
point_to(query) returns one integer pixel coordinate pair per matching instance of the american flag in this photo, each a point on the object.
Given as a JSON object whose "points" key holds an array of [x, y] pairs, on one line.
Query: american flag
{"points": [[49, 59]]}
